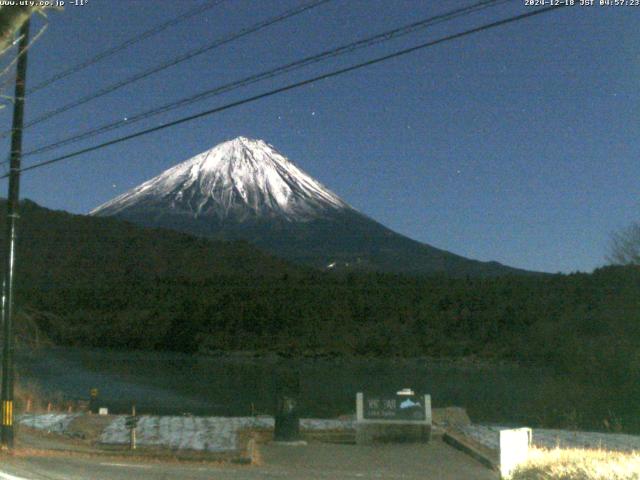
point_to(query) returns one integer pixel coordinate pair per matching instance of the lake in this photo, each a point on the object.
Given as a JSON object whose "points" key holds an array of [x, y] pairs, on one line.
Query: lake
{"points": [[174, 383]]}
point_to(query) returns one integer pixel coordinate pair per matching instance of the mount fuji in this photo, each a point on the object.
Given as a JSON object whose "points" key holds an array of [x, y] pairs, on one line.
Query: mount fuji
{"points": [[245, 189]]}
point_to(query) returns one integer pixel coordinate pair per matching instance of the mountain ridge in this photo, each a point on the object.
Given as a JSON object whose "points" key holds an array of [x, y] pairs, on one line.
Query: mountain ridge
{"points": [[244, 189]]}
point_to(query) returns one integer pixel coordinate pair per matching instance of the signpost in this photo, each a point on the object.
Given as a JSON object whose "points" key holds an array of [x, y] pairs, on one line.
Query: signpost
{"points": [[131, 422], [400, 417]]}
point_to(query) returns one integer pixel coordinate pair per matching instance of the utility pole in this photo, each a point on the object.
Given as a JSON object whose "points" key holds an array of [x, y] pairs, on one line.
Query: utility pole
{"points": [[13, 199]]}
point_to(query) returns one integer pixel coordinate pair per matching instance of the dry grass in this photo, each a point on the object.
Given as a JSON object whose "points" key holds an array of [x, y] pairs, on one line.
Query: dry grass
{"points": [[577, 464], [26, 393], [29, 398]]}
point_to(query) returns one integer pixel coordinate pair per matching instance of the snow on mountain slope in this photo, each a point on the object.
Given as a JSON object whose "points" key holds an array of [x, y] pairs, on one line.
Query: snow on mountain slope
{"points": [[239, 179], [244, 189]]}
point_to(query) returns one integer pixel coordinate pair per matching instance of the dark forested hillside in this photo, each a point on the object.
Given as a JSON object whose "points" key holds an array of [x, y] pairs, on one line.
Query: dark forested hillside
{"points": [[60, 250], [113, 283]]}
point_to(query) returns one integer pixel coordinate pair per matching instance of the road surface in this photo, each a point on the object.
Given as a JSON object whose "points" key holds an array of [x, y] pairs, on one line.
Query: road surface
{"points": [[316, 461]]}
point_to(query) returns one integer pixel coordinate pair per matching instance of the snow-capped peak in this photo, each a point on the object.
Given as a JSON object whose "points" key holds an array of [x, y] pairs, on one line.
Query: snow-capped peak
{"points": [[240, 178]]}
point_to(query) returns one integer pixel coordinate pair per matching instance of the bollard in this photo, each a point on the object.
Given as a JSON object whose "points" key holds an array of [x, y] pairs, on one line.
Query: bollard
{"points": [[287, 420]]}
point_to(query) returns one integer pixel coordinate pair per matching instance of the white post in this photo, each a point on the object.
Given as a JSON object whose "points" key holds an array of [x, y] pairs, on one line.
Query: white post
{"points": [[359, 407], [427, 409], [133, 428], [514, 449]]}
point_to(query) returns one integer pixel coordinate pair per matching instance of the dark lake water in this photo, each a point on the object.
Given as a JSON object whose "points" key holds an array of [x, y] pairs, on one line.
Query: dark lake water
{"points": [[172, 383]]}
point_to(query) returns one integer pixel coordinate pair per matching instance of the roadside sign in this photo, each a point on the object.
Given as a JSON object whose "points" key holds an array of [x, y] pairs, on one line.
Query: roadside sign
{"points": [[131, 422], [394, 407]]}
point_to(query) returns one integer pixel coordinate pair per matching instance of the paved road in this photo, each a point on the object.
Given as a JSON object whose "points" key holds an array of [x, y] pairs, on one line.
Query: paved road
{"points": [[435, 461]]}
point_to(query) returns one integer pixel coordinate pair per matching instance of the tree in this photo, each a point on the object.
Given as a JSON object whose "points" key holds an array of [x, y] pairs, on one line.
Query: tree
{"points": [[11, 19], [625, 246]]}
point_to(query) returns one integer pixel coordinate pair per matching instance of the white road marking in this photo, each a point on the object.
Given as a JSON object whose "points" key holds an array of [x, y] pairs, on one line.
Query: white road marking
{"points": [[125, 465], [7, 476]]}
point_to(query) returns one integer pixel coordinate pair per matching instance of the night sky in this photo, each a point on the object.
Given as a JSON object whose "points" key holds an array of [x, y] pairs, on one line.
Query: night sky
{"points": [[519, 144]]}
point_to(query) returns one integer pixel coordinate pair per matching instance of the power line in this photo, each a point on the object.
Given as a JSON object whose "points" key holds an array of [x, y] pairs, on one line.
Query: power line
{"points": [[124, 45], [15, 60], [175, 61], [292, 86], [351, 47]]}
